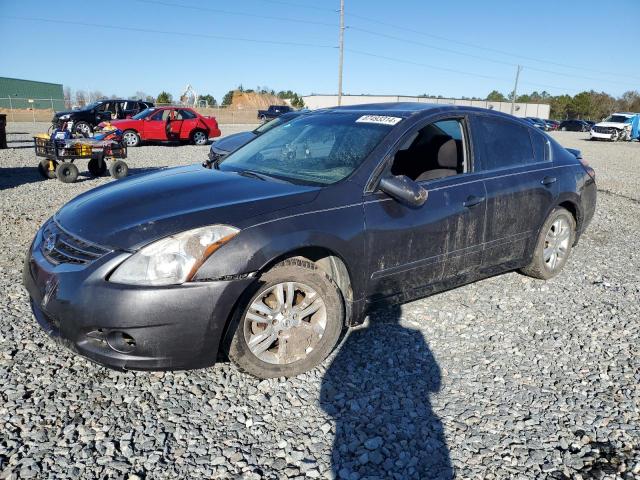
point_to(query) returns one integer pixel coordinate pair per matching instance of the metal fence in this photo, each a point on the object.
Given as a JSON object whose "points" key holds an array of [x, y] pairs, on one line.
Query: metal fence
{"points": [[42, 110]]}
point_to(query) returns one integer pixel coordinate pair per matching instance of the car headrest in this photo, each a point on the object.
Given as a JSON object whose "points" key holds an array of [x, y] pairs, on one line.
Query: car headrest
{"points": [[448, 154]]}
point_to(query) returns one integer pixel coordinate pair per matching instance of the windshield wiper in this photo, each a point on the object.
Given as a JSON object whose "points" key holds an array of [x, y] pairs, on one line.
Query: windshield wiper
{"points": [[252, 174]]}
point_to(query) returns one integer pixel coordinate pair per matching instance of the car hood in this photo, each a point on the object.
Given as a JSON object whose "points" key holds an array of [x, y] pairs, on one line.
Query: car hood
{"points": [[611, 124], [128, 214], [231, 143], [69, 112]]}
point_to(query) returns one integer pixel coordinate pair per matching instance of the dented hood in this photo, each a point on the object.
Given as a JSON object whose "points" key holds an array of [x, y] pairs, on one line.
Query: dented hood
{"points": [[128, 214]]}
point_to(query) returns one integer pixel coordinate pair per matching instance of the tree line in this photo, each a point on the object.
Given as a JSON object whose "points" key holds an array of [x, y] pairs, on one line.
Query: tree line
{"points": [[587, 105], [80, 98]]}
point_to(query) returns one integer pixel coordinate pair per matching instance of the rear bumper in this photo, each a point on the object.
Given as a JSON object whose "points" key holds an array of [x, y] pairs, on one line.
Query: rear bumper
{"points": [[178, 327]]}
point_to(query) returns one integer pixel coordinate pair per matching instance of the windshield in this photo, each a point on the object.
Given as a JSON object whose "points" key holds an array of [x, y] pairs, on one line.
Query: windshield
{"points": [[315, 149], [616, 118], [91, 106], [143, 114], [265, 127]]}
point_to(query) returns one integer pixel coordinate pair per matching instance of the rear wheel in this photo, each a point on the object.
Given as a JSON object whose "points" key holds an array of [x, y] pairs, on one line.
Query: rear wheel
{"points": [[199, 137], [131, 138], [67, 172], [97, 167], [47, 168], [554, 245], [290, 323], [119, 169]]}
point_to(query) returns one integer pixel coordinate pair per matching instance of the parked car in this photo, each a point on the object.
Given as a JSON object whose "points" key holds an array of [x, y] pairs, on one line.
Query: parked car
{"points": [[273, 111], [298, 234], [615, 127], [168, 124], [223, 147], [89, 117], [538, 123], [552, 124], [574, 126]]}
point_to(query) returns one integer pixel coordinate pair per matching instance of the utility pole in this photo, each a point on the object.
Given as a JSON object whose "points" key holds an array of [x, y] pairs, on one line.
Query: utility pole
{"points": [[515, 90], [341, 47]]}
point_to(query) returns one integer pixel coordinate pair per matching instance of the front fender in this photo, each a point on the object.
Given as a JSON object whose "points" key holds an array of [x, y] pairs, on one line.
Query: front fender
{"points": [[339, 231]]}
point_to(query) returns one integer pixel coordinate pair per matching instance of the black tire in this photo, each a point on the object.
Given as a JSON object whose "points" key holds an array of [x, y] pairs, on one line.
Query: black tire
{"points": [[539, 268], [97, 167], [45, 171], [199, 137], [298, 270], [119, 169], [130, 138], [82, 128], [67, 172]]}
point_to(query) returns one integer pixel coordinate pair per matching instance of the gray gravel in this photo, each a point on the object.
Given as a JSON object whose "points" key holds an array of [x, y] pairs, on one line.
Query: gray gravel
{"points": [[506, 378]]}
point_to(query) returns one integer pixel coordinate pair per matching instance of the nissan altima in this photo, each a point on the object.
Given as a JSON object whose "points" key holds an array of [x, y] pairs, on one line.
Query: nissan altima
{"points": [[268, 256]]}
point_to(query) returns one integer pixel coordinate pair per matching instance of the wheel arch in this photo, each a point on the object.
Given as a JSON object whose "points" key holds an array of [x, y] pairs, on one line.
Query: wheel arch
{"points": [[326, 260]]}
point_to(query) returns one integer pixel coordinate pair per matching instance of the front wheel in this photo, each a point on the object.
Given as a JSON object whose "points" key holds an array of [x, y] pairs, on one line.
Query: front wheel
{"points": [[119, 169], [131, 138], [554, 245], [67, 172], [289, 324], [83, 128], [199, 137]]}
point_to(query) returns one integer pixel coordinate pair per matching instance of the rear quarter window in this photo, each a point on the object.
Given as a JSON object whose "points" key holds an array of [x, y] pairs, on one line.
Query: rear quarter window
{"points": [[501, 143], [541, 146]]}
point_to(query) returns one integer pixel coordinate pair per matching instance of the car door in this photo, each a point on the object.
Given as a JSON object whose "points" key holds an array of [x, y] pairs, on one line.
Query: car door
{"points": [[413, 249], [189, 121], [520, 183], [155, 125]]}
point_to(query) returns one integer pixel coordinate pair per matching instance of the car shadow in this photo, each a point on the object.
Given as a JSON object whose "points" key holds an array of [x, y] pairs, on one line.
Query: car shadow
{"points": [[11, 177], [377, 389]]}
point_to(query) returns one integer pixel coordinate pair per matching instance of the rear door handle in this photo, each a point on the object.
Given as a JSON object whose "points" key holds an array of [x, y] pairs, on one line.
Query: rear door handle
{"points": [[472, 201], [548, 180]]}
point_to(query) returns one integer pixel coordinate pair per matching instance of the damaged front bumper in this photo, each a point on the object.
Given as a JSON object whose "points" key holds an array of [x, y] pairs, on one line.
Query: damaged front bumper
{"points": [[125, 326]]}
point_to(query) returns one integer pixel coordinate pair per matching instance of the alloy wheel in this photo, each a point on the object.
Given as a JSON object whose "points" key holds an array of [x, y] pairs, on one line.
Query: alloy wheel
{"points": [[130, 139], [199, 138], [285, 322], [556, 244]]}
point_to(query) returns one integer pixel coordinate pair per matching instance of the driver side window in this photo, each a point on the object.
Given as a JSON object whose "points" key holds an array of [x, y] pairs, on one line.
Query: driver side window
{"points": [[435, 151]]}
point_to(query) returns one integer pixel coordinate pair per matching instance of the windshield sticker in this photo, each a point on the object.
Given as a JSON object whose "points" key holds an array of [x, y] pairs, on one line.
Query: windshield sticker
{"points": [[381, 119]]}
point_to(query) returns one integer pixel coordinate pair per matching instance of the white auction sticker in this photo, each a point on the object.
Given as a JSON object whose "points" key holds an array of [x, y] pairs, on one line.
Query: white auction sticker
{"points": [[381, 119]]}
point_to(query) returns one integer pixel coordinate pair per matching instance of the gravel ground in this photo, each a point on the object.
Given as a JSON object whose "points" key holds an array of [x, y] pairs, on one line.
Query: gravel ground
{"points": [[506, 378]]}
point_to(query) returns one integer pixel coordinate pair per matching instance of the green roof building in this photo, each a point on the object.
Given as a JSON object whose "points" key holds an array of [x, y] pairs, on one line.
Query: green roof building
{"points": [[16, 93]]}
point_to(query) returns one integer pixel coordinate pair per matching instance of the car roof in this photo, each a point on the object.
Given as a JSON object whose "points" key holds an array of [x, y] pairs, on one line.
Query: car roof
{"points": [[407, 109]]}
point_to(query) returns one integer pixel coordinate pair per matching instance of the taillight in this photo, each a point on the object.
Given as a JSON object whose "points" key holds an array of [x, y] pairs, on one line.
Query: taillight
{"points": [[587, 167]]}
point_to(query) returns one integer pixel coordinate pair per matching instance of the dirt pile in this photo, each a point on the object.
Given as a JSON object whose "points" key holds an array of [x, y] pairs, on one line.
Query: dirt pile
{"points": [[254, 100]]}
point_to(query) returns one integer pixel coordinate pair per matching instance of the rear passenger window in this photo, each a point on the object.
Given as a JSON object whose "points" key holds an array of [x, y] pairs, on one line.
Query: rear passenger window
{"points": [[541, 147], [502, 143]]}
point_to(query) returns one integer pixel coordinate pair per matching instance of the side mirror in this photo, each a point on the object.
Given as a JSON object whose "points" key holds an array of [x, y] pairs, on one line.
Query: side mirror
{"points": [[404, 189]]}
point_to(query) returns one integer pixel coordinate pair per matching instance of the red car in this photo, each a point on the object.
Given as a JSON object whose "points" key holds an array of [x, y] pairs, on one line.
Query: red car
{"points": [[163, 124]]}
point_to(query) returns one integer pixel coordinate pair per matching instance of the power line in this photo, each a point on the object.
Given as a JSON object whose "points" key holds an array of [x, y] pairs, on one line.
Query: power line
{"points": [[240, 14], [479, 57], [452, 70], [310, 7], [404, 28], [168, 32]]}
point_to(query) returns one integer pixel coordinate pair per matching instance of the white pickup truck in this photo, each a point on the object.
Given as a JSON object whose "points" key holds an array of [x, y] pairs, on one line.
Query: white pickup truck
{"points": [[615, 127]]}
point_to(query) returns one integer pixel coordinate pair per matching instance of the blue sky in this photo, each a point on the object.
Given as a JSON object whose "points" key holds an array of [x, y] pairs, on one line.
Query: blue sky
{"points": [[565, 46]]}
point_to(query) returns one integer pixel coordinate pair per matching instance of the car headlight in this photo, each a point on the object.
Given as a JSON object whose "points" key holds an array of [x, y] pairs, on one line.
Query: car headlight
{"points": [[173, 260], [65, 117]]}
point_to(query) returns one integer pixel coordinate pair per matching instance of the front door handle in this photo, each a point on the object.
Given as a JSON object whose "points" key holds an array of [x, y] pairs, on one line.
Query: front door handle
{"points": [[472, 201], [548, 180]]}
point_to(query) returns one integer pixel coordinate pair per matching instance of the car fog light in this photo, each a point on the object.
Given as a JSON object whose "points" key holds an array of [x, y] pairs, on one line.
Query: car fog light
{"points": [[121, 342]]}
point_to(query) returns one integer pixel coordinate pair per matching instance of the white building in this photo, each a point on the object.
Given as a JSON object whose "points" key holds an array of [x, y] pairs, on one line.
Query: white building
{"points": [[539, 110]]}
